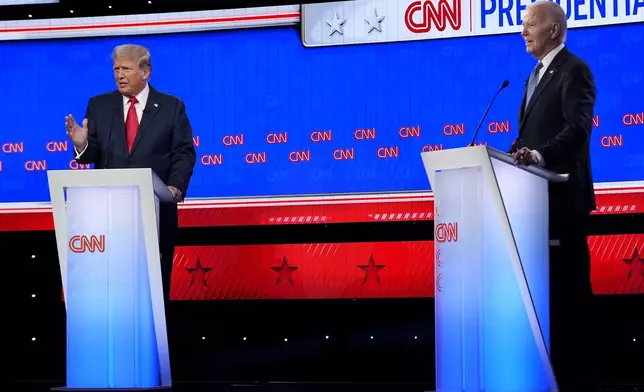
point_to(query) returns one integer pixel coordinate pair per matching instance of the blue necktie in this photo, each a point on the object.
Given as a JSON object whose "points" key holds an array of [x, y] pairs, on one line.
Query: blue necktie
{"points": [[532, 82]]}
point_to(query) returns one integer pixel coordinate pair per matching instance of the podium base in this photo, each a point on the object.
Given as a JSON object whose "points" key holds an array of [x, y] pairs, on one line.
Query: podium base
{"points": [[68, 389]]}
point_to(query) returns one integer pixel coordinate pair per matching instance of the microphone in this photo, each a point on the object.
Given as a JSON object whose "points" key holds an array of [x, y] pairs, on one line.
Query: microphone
{"points": [[504, 85], [109, 139]]}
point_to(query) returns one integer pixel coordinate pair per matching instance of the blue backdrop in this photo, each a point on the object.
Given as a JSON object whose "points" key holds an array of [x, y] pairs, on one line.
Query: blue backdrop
{"points": [[260, 81]]}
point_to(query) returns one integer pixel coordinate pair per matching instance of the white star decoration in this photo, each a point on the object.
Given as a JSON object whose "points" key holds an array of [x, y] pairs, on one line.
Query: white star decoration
{"points": [[336, 24], [374, 22]]}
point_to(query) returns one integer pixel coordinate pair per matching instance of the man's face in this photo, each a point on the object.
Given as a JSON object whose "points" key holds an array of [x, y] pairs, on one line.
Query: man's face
{"points": [[130, 78], [539, 31]]}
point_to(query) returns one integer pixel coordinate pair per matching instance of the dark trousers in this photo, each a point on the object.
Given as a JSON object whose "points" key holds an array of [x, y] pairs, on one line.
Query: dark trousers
{"points": [[168, 228], [573, 339]]}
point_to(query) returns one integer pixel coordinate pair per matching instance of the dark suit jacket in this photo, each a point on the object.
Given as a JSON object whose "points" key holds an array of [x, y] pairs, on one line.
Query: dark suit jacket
{"points": [[557, 123], [163, 142]]}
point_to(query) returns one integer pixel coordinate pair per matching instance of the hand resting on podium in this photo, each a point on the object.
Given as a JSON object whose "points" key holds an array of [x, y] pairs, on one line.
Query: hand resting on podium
{"points": [[526, 157], [176, 194]]}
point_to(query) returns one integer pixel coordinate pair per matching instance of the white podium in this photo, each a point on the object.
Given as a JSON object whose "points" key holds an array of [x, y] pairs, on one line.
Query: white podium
{"points": [[491, 240], [106, 225]]}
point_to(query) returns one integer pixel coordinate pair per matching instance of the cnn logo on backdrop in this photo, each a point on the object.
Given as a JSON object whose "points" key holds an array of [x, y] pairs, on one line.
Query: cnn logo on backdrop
{"points": [[84, 243], [420, 16]]}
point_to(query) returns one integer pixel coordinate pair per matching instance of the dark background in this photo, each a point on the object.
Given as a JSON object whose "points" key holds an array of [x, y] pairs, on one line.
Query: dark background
{"points": [[402, 348]]}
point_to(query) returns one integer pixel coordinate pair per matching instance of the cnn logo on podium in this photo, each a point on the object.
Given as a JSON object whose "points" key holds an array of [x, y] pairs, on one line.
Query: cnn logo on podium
{"points": [[84, 243], [446, 232]]}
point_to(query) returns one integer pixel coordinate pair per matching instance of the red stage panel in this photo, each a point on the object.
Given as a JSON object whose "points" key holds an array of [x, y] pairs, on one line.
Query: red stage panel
{"points": [[617, 264], [347, 270], [360, 270], [327, 209], [612, 202], [28, 219], [342, 211]]}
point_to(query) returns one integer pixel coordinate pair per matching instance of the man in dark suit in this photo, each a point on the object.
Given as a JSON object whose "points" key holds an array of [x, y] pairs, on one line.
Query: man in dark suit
{"points": [[137, 126], [555, 122]]}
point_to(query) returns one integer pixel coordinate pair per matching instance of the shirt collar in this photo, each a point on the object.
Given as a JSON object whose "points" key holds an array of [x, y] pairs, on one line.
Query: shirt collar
{"points": [[547, 59], [142, 97]]}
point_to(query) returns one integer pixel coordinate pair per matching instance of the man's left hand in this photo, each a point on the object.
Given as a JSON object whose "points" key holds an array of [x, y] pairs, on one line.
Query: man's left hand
{"points": [[524, 157], [176, 194]]}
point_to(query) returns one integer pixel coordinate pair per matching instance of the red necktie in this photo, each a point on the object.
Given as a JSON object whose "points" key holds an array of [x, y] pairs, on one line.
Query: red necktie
{"points": [[131, 124]]}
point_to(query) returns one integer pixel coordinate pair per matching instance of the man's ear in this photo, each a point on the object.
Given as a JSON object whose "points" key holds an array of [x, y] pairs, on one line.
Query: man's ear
{"points": [[556, 30]]}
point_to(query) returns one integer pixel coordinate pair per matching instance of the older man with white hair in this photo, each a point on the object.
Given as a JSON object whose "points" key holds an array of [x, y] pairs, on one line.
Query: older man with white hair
{"points": [[555, 121]]}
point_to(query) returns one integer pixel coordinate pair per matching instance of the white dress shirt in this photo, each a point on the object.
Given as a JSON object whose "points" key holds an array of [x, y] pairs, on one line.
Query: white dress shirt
{"points": [[142, 97], [545, 61]]}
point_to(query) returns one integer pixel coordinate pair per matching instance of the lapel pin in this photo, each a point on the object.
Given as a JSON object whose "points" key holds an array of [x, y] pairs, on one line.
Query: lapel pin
{"points": [[551, 71], [156, 105]]}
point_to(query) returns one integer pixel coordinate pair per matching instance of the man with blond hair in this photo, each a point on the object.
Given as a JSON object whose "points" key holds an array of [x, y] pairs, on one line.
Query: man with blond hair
{"points": [[555, 121], [137, 126]]}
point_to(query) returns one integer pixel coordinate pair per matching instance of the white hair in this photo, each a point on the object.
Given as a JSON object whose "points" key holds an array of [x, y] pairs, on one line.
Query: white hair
{"points": [[556, 14]]}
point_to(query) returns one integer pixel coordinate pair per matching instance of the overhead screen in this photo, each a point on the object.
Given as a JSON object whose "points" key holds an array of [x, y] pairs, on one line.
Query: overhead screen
{"points": [[25, 2], [271, 117]]}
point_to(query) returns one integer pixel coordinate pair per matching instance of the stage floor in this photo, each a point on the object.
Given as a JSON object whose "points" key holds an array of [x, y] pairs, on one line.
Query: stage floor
{"points": [[261, 387], [297, 387]]}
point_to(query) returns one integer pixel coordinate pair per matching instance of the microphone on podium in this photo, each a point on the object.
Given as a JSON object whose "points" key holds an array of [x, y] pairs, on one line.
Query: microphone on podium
{"points": [[504, 85]]}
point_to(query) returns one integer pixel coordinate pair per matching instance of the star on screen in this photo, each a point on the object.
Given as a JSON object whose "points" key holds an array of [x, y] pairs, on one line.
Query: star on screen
{"points": [[374, 22], [336, 25]]}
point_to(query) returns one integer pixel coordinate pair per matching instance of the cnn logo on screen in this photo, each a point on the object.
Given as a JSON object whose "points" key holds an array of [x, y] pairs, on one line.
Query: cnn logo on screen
{"points": [[421, 16], [84, 243]]}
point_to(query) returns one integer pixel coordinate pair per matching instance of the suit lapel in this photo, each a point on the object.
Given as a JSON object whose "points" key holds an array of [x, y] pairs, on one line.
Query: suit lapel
{"points": [[117, 137], [549, 74], [150, 111], [522, 109]]}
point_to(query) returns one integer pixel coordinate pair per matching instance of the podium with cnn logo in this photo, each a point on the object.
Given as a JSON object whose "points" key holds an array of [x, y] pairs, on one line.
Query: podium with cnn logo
{"points": [[491, 238], [107, 237]]}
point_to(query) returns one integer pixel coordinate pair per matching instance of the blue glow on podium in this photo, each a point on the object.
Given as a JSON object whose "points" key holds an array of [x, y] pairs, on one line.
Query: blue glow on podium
{"points": [[484, 339], [111, 341]]}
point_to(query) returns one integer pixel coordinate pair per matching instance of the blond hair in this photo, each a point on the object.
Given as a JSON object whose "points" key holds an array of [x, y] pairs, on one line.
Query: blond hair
{"points": [[134, 52]]}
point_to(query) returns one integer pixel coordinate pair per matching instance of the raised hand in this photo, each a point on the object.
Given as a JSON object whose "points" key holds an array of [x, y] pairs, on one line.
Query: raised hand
{"points": [[76, 133]]}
